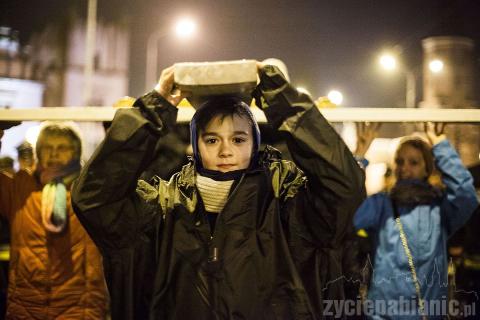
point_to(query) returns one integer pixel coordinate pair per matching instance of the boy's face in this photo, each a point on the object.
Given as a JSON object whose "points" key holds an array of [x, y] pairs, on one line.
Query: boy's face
{"points": [[226, 144]]}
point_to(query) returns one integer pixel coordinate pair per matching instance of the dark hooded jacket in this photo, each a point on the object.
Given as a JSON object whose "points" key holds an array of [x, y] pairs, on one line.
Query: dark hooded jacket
{"points": [[277, 246]]}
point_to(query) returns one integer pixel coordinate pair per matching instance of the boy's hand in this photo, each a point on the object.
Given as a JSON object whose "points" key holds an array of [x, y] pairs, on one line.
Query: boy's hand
{"points": [[166, 88], [366, 133], [260, 65], [434, 132]]}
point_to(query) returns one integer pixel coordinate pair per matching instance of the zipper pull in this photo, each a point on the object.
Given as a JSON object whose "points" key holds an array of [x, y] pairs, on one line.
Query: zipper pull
{"points": [[213, 255]]}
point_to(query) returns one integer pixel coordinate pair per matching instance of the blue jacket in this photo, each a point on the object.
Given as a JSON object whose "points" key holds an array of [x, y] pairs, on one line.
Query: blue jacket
{"points": [[427, 228]]}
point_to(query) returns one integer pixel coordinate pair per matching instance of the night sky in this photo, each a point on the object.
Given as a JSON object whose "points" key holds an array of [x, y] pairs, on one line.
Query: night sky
{"points": [[325, 44]]}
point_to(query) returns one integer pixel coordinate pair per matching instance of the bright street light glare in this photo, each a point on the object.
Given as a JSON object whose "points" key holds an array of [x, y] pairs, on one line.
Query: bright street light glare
{"points": [[335, 97], [388, 62], [436, 66], [32, 134], [185, 28]]}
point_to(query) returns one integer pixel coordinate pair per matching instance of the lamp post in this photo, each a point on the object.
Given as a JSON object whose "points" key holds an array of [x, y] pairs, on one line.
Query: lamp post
{"points": [[411, 90], [389, 63], [89, 51], [184, 29]]}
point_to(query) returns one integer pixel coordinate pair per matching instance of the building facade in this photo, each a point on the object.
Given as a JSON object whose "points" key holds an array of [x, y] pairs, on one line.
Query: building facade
{"points": [[453, 87], [55, 60]]}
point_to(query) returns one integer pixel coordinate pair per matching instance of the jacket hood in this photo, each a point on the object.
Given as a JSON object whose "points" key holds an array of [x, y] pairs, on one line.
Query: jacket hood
{"points": [[62, 128], [213, 107]]}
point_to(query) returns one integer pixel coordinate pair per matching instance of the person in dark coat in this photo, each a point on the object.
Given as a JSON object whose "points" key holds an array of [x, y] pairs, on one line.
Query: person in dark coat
{"points": [[237, 233]]}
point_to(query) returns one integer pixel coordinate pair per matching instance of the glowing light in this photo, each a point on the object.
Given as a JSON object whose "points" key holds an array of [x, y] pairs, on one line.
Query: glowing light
{"points": [[32, 134], [436, 66], [185, 28], [388, 62], [335, 96]]}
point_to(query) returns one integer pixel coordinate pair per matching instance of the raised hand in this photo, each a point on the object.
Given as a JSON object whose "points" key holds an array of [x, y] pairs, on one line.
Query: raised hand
{"points": [[435, 132], [366, 133], [260, 65], [167, 89]]}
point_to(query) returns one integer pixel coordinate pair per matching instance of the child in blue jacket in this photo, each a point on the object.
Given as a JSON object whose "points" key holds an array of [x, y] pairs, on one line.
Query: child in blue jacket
{"points": [[410, 225]]}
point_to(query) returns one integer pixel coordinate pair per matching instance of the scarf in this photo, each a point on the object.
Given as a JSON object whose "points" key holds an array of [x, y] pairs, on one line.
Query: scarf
{"points": [[54, 194], [214, 193], [215, 186], [412, 192]]}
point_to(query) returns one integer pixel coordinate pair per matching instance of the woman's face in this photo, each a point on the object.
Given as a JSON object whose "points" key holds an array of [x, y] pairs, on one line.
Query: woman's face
{"points": [[56, 152], [409, 163]]}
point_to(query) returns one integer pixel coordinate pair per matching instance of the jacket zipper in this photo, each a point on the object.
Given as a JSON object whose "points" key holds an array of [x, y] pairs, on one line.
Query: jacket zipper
{"points": [[212, 235], [214, 255]]}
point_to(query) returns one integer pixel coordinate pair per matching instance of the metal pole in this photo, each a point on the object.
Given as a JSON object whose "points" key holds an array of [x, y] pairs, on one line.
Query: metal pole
{"points": [[185, 113], [151, 61], [410, 97], [89, 51]]}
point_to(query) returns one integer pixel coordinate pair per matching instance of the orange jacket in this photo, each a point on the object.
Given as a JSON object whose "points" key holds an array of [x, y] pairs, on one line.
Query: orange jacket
{"points": [[51, 275]]}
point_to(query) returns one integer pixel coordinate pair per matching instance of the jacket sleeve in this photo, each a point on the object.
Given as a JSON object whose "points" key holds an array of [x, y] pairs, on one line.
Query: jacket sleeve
{"points": [[6, 182], [460, 200], [336, 184], [6, 192], [104, 195], [367, 216]]}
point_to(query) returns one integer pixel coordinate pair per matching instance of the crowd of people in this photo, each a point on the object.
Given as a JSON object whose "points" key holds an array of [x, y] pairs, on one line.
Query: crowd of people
{"points": [[237, 232]]}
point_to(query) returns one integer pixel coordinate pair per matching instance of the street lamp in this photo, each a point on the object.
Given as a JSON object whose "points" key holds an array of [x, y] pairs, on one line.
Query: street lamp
{"points": [[436, 66], [88, 71], [184, 28], [335, 97], [389, 63]]}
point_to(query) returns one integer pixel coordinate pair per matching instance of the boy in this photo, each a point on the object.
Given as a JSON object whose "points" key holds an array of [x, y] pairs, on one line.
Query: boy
{"points": [[236, 234]]}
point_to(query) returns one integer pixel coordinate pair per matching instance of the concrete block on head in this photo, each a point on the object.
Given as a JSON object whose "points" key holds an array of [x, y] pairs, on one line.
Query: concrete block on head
{"points": [[205, 79]]}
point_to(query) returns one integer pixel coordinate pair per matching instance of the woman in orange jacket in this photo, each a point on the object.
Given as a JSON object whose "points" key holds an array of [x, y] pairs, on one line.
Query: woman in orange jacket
{"points": [[55, 270]]}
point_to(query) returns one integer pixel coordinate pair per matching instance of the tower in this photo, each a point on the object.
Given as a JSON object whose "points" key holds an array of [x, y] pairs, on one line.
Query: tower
{"points": [[453, 87]]}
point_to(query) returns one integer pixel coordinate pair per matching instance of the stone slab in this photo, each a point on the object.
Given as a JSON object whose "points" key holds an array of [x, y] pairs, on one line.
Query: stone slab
{"points": [[206, 79]]}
